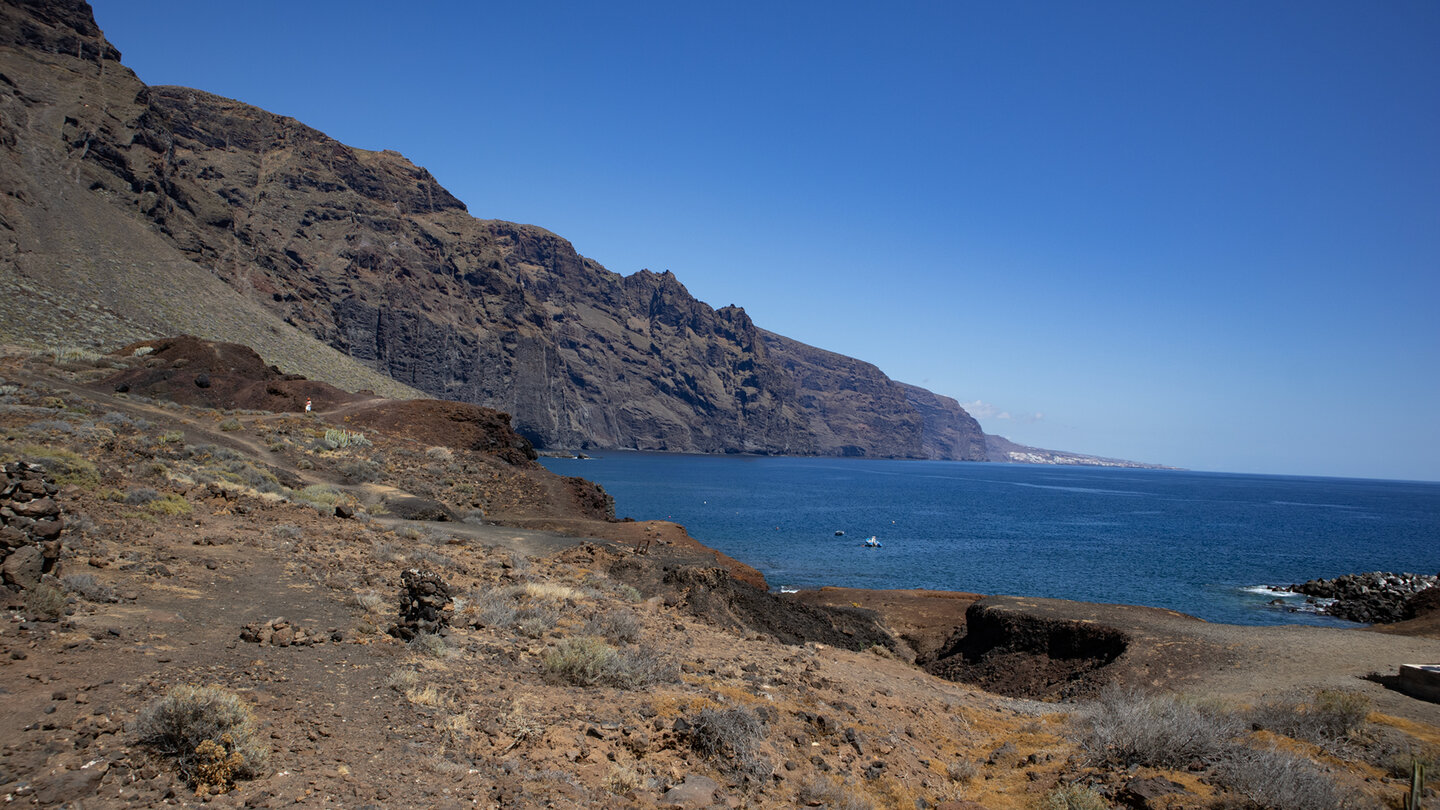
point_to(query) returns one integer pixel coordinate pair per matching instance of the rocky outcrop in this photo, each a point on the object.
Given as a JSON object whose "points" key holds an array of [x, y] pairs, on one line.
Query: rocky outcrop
{"points": [[30, 526], [1026, 653], [1378, 597], [370, 255], [423, 600], [192, 371]]}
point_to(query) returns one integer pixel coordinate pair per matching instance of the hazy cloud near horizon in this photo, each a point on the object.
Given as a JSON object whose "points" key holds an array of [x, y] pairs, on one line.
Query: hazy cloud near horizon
{"points": [[984, 410]]}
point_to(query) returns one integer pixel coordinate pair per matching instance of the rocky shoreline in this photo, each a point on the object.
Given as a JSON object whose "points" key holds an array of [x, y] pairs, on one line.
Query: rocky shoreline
{"points": [[1377, 597]]}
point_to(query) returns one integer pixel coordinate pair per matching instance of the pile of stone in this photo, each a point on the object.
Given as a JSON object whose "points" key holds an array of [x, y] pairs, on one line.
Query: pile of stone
{"points": [[30, 525], [422, 605], [1378, 597], [279, 632]]}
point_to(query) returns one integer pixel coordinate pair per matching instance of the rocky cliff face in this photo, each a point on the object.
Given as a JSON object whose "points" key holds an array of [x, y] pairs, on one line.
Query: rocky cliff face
{"points": [[368, 254]]}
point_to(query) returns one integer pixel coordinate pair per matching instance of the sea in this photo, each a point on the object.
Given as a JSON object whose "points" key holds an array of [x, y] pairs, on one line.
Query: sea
{"points": [[1219, 546]]}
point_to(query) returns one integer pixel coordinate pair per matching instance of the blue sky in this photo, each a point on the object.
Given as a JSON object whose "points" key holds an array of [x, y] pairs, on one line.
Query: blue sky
{"points": [[1199, 234]]}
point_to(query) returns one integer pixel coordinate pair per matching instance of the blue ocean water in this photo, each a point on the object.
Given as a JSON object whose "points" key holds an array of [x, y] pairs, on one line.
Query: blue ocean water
{"points": [[1195, 542]]}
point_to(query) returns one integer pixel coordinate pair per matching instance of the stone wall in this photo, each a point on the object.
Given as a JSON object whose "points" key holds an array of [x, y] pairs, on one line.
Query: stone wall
{"points": [[30, 526]]}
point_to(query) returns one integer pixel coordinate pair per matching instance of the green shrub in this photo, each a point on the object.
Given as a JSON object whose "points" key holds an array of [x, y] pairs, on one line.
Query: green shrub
{"points": [[64, 466], [179, 724], [319, 493], [337, 438], [589, 661], [231, 424], [169, 504]]}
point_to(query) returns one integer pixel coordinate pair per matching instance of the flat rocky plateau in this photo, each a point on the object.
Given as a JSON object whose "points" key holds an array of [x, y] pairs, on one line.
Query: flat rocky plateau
{"points": [[242, 549]]}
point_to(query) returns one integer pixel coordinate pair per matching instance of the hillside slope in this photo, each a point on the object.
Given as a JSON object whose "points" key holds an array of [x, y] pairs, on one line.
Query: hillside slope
{"points": [[189, 212]]}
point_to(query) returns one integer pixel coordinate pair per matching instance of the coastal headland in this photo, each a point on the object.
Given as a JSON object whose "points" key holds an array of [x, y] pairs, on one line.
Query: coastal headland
{"points": [[261, 550]]}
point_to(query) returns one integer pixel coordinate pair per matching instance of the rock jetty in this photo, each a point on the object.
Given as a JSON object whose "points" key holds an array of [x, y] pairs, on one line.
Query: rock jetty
{"points": [[1379, 597]]}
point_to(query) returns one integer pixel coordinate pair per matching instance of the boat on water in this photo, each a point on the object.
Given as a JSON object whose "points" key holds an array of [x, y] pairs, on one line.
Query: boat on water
{"points": [[873, 542]]}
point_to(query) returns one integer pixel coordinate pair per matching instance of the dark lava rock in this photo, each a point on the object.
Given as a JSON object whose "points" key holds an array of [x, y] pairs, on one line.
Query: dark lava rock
{"points": [[422, 605], [30, 525], [1378, 597], [411, 507]]}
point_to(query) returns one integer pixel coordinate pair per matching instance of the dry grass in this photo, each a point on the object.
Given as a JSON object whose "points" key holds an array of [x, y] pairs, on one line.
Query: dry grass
{"points": [[549, 590]]}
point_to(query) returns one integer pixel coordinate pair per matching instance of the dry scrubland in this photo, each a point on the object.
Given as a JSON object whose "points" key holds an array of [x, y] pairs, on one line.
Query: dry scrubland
{"points": [[557, 683]]}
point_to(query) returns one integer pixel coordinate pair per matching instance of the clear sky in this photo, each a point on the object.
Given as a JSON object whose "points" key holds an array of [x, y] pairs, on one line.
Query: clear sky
{"points": [[1204, 234]]}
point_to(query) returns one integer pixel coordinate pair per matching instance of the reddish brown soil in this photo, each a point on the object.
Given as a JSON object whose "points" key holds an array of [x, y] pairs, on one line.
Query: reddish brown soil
{"points": [[193, 371]]}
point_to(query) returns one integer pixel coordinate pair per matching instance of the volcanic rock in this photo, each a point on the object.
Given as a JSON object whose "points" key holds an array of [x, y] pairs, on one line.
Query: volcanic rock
{"points": [[422, 605], [30, 523], [1377, 597]]}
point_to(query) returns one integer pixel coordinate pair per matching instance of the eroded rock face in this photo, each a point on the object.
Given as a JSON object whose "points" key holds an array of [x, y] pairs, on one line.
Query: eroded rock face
{"points": [[1021, 654], [31, 522]]}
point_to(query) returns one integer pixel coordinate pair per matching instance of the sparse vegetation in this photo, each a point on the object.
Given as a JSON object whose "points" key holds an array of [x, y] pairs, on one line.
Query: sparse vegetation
{"points": [[1073, 797], [45, 602], [1125, 727], [589, 661], [1328, 718], [87, 587], [337, 438], [1278, 780], [832, 794], [231, 424], [169, 504], [430, 644], [732, 738], [140, 496], [618, 626], [179, 725], [64, 466], [962, 770]]}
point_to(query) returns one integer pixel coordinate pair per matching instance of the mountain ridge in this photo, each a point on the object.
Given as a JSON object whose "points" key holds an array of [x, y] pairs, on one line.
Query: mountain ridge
{"points": [[338, 260]]}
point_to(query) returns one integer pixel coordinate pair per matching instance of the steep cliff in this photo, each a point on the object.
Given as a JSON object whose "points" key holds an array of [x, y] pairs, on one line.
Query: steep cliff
{"points": [[368, 255]]}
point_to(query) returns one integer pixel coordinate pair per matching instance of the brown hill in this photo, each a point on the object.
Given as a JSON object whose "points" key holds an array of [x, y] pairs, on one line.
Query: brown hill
{"points": [[139, 211], [193, 371]]}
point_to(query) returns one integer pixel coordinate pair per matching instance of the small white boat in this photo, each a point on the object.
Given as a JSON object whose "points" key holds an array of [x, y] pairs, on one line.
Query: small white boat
{"points": [[873, 542]]}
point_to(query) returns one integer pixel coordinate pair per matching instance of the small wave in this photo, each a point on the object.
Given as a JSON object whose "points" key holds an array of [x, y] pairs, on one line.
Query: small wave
{"points": [[1271, 590], [1317, 505], [1093, 490], [788, 589]]}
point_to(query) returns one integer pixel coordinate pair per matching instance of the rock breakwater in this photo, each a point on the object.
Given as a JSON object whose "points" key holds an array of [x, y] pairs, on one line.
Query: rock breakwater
{"points": [[1378, 597]]}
